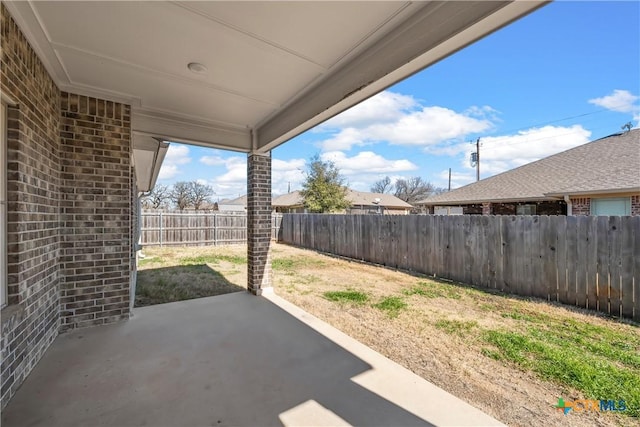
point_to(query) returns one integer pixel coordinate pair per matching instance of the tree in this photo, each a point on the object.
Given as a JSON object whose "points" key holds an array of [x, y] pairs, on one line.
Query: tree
{"points": [[382, 186], [157, 197], [181, 195], [323, 189], [200, 194], [413, 189]]}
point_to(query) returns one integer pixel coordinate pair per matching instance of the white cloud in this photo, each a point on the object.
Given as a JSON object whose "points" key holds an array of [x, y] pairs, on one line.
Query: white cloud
{"points": [[401, 120], [233, 182], [458, 179], [212, 160], [236, 171], [177, 156], [367, 162], [285, 174], [429, 126], [385, 107], [502, 153], [621, 101], [365, 168]]}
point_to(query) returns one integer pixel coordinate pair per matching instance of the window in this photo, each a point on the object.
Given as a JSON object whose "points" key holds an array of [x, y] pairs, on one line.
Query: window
{"points": [[526, 210], [620, 206], [3, 204]]}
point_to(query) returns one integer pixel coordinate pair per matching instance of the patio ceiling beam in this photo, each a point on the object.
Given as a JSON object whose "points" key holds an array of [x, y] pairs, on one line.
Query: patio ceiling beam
{"points": [[191, 132], [436, 31]]}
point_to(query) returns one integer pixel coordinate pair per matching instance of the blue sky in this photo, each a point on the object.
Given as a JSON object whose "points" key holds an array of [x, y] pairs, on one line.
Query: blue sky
{"points": [[567, 74]]}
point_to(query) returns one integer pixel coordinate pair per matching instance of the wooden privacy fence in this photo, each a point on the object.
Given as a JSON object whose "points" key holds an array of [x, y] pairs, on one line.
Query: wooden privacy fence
{"points": [[586, 261], [197, 228]]}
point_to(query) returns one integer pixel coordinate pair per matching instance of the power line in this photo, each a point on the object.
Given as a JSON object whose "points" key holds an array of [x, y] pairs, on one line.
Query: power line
{"points": [[545, 137], [611, 109]]}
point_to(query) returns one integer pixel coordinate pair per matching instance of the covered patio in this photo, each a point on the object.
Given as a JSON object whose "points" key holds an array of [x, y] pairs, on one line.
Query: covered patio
{"points": [[226, 360], [91, 93]]}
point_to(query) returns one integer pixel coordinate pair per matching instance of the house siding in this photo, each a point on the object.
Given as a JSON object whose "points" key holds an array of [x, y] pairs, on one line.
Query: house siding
{"points": [[47, 195]]}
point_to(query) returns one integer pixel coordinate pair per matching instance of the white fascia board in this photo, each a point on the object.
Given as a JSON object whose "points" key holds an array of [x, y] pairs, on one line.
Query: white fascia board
{"points": [[436, 31], [204, 134]]}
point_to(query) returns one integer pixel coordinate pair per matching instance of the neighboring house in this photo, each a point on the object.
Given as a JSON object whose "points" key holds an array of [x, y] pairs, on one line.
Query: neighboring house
{"points": [[361, 203], [598, 178], [235, 205], [288, 203]]}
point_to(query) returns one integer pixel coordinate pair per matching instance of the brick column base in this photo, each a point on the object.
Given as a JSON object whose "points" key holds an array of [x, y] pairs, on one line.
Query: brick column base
{"points": [[259, 222]]}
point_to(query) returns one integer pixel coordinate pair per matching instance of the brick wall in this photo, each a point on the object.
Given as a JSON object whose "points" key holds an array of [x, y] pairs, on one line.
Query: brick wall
{"points": [[96, 206], [581, 206], [69, 228], [259, 222], [635, 205], [30, 322]]}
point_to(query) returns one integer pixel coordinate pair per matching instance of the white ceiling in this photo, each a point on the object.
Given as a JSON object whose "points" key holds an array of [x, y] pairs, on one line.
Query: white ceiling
{"points": [[275, 69]]}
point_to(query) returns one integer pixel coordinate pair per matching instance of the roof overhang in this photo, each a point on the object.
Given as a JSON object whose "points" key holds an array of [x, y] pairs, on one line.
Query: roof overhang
{"points": [[479, 201], [617, 191], [148, 154], [275, 69]]}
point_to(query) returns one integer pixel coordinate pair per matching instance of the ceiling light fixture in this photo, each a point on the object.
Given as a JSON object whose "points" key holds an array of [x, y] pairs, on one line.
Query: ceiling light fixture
{"points": [[197, 67]]}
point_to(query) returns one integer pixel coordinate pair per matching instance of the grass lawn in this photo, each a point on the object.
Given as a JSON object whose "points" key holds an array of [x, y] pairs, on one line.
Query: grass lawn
{"points": [[509, 356]]}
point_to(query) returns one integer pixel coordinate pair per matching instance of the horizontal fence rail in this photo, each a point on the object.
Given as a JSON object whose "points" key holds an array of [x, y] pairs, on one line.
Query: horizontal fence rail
{"points": [[586, 261], [159, 228]]}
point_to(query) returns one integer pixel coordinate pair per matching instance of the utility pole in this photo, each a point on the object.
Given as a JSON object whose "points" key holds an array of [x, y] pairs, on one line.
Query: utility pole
{"points": [[449, 179], [475, 159], [478, 159]]}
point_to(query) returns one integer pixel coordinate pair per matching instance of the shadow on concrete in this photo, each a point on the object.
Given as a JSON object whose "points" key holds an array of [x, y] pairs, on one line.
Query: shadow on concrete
{"points": [[230, 360], [179, 283]]}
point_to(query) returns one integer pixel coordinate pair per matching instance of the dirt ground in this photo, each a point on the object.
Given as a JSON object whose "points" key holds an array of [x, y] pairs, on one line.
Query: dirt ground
{"points": [[410, 337]]}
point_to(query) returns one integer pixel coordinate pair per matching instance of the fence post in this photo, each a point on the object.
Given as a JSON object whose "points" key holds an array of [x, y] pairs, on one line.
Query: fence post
{"points": [[215, 229], [160, 228]]}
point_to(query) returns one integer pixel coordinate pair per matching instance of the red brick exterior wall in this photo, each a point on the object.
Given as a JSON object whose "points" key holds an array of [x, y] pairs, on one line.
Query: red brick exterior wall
{"points": [[581, 206], [486, 208], [96, 210], [259, 222], [31, 320], [69, 231], [635, 205]]}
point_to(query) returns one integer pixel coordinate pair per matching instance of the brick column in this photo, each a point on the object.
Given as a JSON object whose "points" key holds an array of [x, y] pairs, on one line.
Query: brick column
{"points": [[635, 205], [96, 211], [486, 208], [581, 206], [259, 222]]}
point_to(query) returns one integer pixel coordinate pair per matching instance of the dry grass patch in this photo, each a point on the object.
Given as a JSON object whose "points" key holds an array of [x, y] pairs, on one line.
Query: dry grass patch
{"points": [[511, 357]]}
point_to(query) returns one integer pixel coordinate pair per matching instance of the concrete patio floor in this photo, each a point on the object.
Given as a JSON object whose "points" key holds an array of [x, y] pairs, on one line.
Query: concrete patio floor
{"points": [[233, 359]]}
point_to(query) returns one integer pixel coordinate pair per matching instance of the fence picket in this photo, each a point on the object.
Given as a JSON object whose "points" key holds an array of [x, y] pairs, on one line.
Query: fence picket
{"points": [[615, 266], [591, 262], [603, 264], [557, 258]]}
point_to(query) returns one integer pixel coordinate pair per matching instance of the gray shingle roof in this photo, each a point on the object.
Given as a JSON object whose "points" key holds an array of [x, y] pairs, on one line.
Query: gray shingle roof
{"points": [[610, 164], [286, 200], [240, 201], [355, 197], [364, 198]]}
